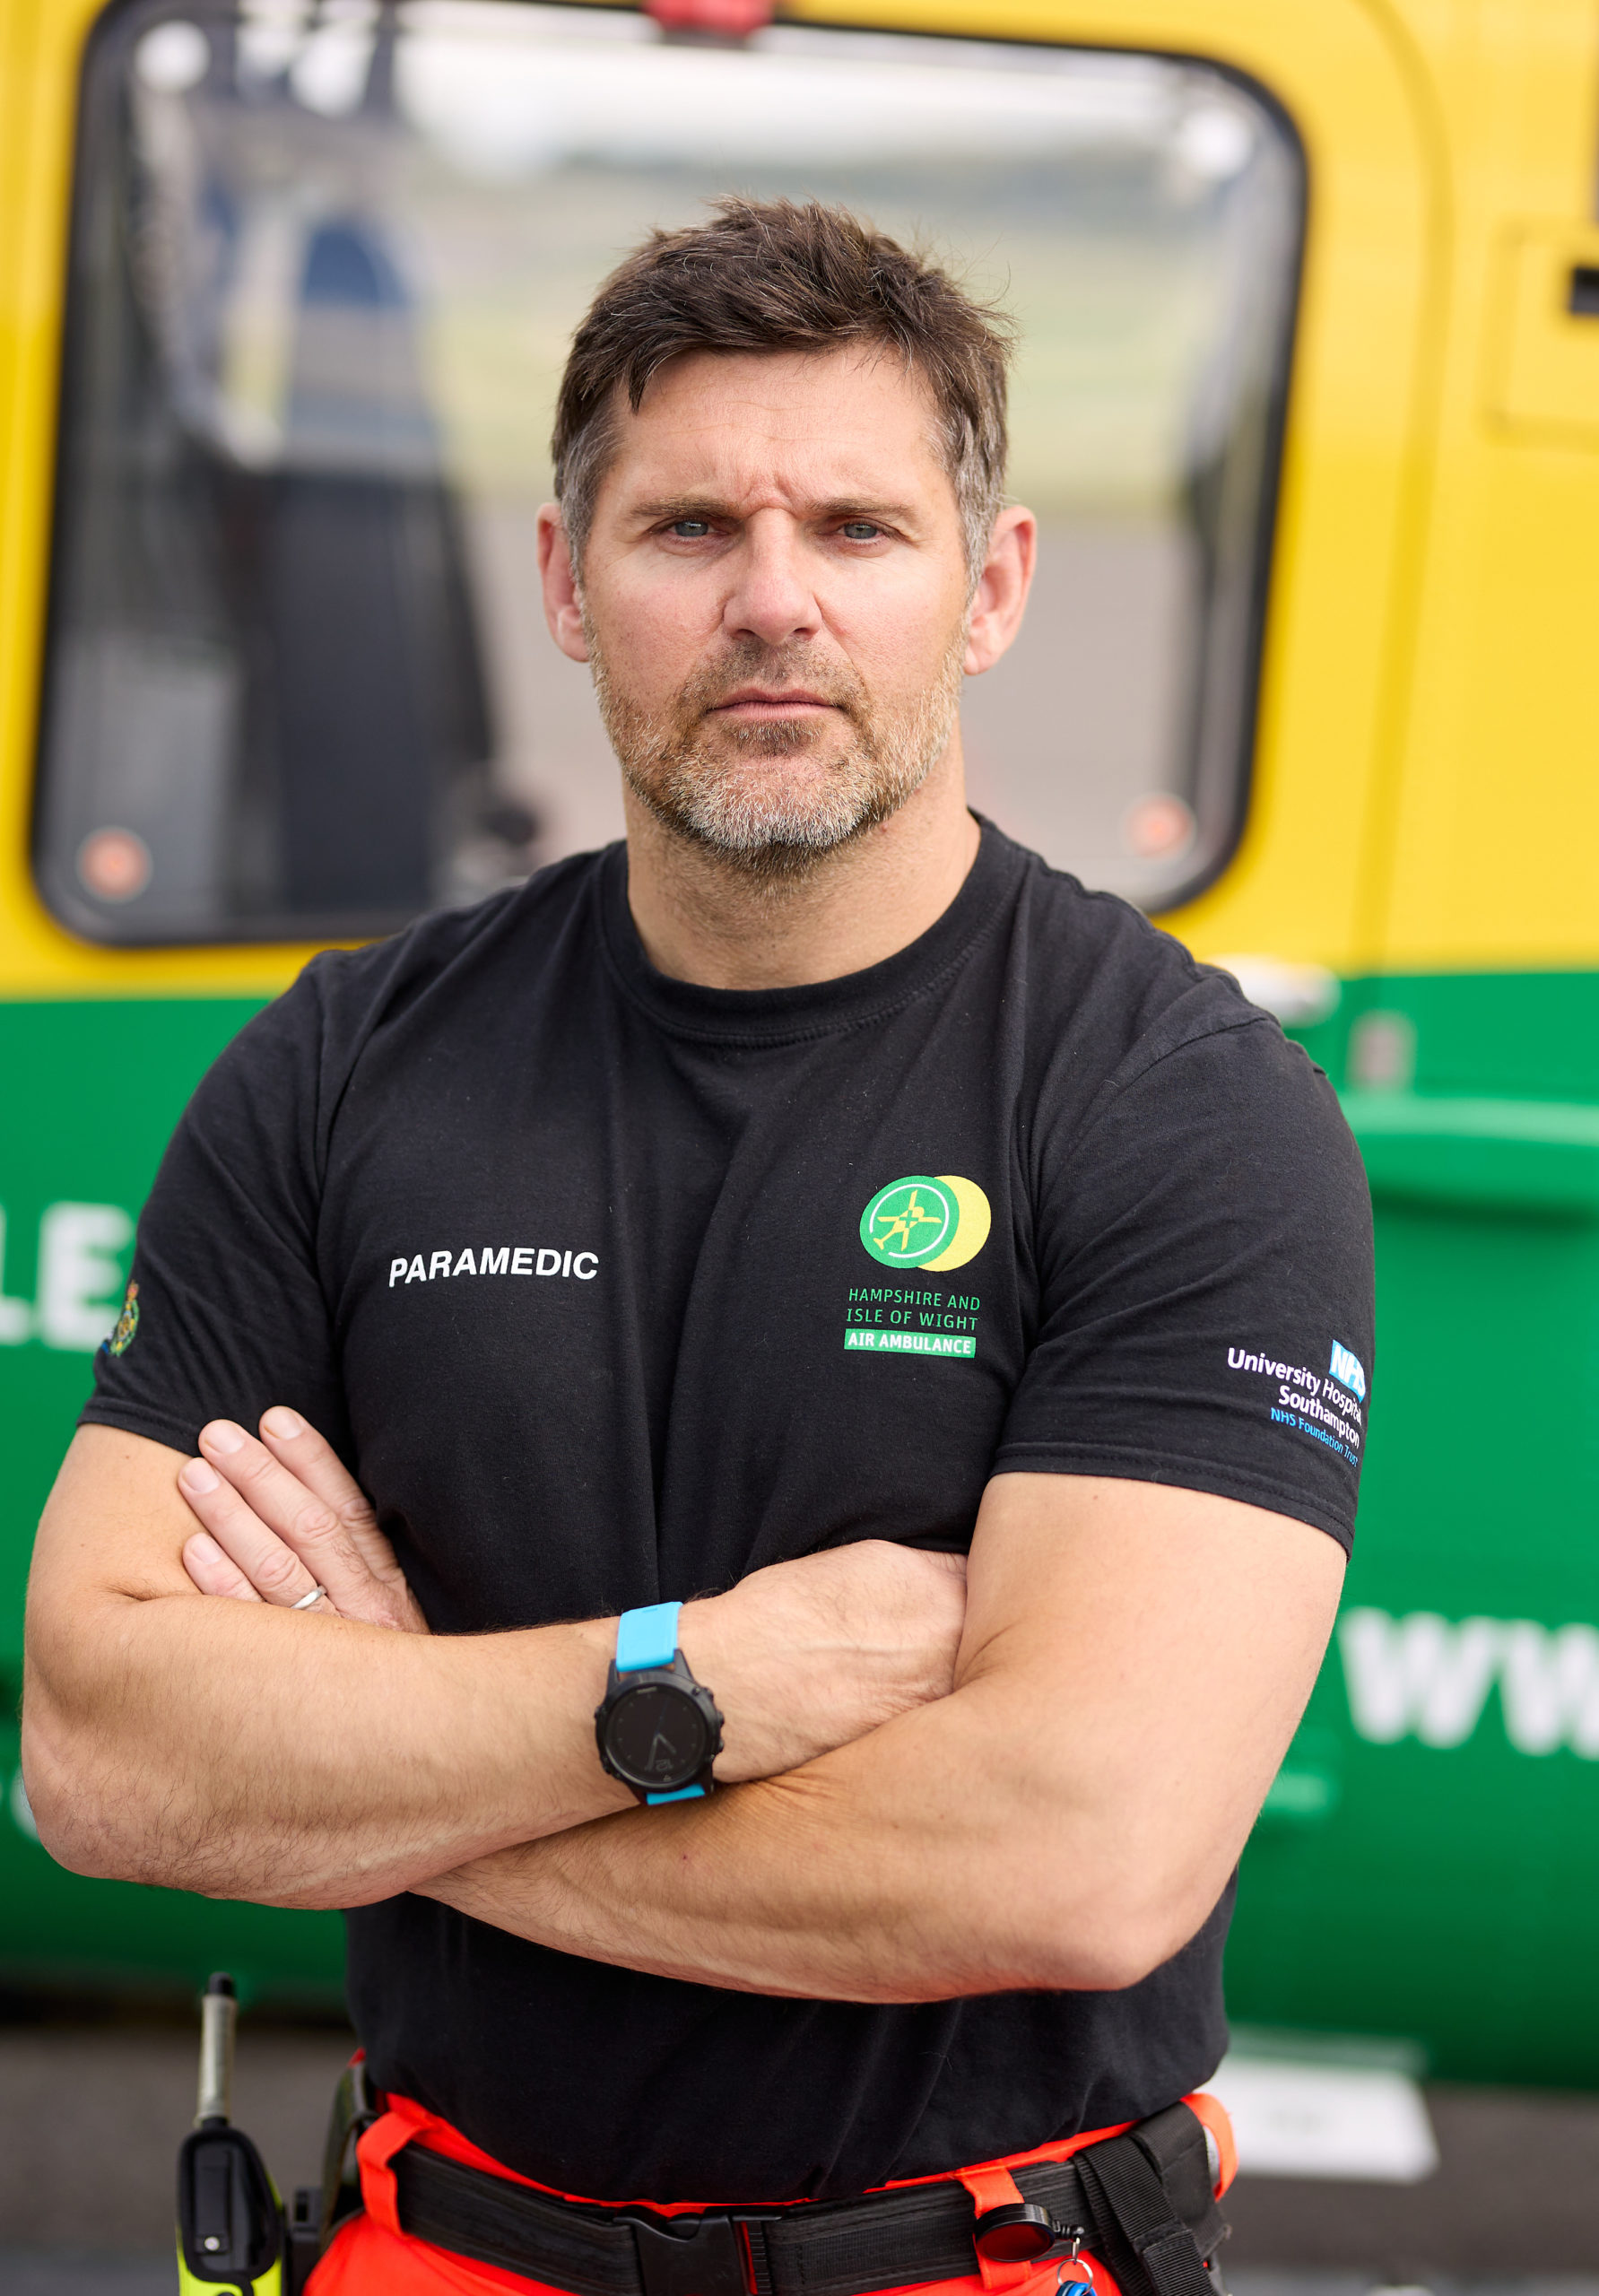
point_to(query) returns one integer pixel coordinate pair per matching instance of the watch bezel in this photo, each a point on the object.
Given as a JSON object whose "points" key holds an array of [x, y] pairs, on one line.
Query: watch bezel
{"points": [[678, 1683]]}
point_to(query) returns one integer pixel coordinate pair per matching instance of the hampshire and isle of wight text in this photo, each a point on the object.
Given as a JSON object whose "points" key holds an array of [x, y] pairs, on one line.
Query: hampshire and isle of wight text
{"points": [[906, 1319]]}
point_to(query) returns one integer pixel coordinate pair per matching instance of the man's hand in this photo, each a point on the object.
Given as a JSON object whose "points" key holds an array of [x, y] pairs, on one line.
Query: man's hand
{"points": [[807, 1655], [283, 1517], [802, 1657]]}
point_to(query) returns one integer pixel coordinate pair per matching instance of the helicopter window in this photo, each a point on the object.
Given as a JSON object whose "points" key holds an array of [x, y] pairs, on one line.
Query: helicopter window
{"points": [[325, 261]]}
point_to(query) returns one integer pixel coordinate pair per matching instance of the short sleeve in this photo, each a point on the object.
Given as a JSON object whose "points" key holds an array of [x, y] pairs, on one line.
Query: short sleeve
{"points": [[228, 1314], [1205, 1267]]}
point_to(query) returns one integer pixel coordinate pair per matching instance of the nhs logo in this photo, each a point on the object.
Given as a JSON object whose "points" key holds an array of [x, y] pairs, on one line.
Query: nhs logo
{"points": [[1348, 1371]]}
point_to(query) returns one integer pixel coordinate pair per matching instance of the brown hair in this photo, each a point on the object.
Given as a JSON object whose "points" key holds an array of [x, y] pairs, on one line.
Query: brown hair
{"points": [[770, 275]]}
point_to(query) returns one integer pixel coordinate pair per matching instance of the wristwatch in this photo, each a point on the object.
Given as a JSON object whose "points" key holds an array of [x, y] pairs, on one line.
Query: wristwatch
{"points": [[657, 1729]]}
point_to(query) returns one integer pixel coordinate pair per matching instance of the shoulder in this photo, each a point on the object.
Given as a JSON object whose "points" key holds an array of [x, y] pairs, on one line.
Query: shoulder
{"points": [[1123, 1021], [297, 1056], [344, 995], [451, 947], [1099, 973]]}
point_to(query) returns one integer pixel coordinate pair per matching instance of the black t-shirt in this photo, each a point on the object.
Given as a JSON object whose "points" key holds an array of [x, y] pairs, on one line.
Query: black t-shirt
{"points": [[612, 1289]]}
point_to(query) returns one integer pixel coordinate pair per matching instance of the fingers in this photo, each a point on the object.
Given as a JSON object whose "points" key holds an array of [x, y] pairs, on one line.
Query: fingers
{"points": [[301, 1520], [239, 1546], [309, 1456], [215, 1572], [296, 1444], [295, 1488], [312, 1460]]}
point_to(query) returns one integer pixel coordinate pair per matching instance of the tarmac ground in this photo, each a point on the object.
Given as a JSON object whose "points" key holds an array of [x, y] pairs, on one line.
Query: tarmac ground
{"points": [[91, 2114]]}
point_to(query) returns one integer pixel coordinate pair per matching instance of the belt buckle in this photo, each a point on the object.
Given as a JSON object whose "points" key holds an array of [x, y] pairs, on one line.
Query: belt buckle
{"points": [[706, 2260]]}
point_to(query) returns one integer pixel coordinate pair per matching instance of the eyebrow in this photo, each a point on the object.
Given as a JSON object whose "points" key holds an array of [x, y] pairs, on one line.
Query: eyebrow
{"points": [[843, 506]]}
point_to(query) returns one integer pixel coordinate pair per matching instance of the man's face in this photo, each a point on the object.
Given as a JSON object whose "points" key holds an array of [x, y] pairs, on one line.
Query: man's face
{"points": [[773, 595]]}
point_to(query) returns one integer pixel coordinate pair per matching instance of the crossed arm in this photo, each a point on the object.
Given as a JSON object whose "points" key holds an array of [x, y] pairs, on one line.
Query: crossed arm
{"points": [[1134, 1662], [1048, 1790]]}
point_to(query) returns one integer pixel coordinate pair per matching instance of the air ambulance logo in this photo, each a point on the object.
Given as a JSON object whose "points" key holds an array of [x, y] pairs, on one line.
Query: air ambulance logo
{"points": [[929, 1223]]}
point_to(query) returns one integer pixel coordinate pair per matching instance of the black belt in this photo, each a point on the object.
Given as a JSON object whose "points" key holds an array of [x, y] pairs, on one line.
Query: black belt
{"points": [[1142, 2201]]}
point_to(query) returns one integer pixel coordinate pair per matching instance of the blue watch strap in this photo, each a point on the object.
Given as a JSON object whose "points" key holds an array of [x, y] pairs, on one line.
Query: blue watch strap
{"points": [[683, 1794], [646, 1638]]}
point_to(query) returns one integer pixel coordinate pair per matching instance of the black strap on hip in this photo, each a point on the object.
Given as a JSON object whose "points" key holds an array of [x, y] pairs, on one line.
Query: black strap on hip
{"points": [[1142, 2200], [1156, 2222]]}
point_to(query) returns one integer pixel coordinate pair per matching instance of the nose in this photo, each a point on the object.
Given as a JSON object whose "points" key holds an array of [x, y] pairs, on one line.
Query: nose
{"points": [[772, 597]]}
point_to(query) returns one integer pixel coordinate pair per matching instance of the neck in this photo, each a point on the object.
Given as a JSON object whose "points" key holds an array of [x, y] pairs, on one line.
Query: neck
{"points": [[702, 918]]}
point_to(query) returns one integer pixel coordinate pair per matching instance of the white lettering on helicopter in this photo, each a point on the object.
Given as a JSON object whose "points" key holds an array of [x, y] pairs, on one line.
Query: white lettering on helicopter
{"points": [[80, 1278], [1423, 1676]]}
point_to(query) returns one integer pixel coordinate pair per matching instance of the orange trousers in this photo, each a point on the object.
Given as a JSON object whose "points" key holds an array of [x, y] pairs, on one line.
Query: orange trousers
{"points": [[370, 2256]]}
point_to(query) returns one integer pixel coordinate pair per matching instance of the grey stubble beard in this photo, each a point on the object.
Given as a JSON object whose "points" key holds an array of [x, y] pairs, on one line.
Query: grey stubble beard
{"points": [[780, 835]]}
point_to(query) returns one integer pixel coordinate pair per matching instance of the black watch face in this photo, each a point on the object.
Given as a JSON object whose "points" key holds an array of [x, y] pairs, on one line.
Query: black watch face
{"points": [[657, 1737]]}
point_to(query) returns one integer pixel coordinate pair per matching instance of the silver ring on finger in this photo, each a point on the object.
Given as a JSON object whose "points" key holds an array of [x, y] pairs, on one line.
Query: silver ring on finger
{"points": [[306, 1601]]}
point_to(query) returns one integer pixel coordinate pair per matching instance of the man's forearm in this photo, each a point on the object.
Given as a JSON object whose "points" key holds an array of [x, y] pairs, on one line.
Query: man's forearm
{"points": [[244, 1749], [250, 1752], [926, 1861], [1135, 1661]]}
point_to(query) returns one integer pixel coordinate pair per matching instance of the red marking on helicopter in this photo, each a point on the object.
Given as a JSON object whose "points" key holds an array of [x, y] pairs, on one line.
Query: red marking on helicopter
{"points": [[737, 18]]}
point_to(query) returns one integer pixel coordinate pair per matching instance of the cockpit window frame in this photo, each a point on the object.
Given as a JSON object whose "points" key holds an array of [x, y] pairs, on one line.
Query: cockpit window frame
{"points": [[1230, 776]]}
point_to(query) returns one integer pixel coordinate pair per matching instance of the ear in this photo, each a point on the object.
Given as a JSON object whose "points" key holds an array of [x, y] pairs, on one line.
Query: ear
{"points": [[1001, 594], [562, 611]]}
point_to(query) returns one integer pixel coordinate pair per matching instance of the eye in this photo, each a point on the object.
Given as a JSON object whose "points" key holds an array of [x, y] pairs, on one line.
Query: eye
{"points": [[690, 529], [860, 530]]}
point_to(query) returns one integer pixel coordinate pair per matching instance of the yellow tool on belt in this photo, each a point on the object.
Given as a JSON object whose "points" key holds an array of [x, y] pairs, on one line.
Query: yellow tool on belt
{"points": [[229, 2218]]}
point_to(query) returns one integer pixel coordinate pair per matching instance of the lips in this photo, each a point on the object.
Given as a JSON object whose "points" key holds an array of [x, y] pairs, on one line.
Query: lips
{"points": [[763, 698]]}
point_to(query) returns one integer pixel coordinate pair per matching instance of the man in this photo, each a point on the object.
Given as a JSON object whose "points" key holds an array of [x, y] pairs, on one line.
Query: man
{"points": [[813, 1191]]}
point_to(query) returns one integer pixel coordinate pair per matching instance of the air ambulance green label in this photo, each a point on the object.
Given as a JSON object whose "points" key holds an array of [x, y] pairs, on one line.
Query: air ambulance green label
{"points": [[870, 1342]]}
